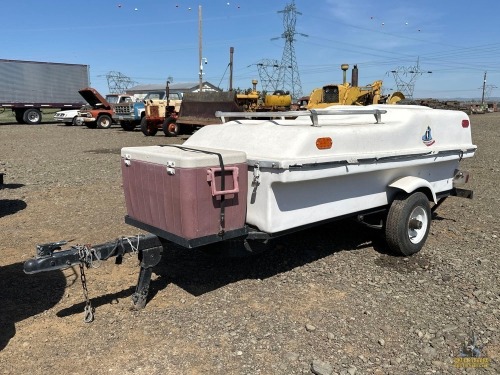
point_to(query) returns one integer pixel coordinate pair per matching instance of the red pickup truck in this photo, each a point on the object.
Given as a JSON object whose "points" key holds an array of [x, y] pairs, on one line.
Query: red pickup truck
{"points": [[99, 112]]}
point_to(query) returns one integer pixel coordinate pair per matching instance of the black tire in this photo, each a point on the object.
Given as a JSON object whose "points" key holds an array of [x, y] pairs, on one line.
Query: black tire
{"points": [[146, 129], [170, 127], [127, 126], [32, 116], [408, 223], [91, 125], [72, 123], [104, 122]]}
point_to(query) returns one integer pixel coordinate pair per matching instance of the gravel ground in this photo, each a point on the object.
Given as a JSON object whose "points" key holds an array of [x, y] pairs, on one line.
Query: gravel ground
{"points": [[329, 300]]}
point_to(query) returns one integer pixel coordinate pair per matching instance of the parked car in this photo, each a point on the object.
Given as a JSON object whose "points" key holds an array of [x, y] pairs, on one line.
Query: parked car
{"points": [[68, 117]]}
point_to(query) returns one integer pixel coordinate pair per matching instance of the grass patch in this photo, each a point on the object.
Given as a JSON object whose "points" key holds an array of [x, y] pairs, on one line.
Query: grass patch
{"points": [[7, 115]]}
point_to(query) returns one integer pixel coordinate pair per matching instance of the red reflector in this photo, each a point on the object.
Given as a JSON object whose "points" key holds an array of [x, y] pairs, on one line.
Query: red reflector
{"points": [[465, 123], [324, 143]]}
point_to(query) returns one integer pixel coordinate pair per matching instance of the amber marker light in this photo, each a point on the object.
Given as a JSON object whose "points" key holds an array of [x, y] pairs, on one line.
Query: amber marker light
{"points": [[324, 143]]}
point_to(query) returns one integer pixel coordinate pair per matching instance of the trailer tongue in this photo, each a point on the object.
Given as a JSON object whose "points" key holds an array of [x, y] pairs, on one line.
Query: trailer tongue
{"points": [[50, 257], [252, 180]]}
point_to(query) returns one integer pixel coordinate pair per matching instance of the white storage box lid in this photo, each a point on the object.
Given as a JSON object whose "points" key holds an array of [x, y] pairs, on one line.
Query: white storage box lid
{"points": [[183, 157]]}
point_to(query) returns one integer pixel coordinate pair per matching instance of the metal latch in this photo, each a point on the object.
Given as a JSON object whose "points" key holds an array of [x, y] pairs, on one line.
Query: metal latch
{"points": [[460, 178], [127, 160], [171, 167]]}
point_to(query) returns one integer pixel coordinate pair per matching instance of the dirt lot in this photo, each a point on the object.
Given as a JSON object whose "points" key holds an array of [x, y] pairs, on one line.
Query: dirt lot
{"points": [[329, 300]]}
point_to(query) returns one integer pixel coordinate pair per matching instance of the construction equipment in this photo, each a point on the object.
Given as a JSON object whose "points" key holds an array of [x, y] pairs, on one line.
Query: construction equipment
{"points": [[198, 108], [181, 115], [252, 100], [350, 93]]}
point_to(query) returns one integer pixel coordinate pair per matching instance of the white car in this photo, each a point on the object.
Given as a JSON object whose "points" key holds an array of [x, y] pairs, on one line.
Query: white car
{"points": [[68, 116]]}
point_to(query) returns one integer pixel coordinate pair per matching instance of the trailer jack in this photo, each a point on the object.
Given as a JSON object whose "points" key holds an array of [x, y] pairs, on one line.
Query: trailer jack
{"points": [[51, 256], [149, 258]]}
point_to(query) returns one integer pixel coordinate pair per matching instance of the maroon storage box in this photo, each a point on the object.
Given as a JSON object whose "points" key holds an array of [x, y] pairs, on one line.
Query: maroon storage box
{"points": [[176, 192]]}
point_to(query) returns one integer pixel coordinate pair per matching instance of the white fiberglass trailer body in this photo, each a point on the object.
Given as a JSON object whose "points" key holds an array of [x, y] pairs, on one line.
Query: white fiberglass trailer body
{"points": [[342, 161]]}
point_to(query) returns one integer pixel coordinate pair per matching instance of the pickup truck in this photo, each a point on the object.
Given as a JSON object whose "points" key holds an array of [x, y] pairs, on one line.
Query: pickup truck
{"points": [[99, 112], [130, 114]]}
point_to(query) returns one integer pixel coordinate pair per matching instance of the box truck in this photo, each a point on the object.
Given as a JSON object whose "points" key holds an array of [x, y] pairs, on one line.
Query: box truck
{"points": [[28, 87]]}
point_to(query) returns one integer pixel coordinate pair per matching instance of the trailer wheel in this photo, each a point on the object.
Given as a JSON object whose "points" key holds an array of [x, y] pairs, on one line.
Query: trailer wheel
{"points": [[32, 116], [408, 223], [127, 125], [148, 129], [104, 122], [170, 127]]}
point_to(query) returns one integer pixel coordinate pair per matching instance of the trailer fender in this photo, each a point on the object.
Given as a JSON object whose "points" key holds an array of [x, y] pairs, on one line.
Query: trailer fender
{"points": [[409, 184]]}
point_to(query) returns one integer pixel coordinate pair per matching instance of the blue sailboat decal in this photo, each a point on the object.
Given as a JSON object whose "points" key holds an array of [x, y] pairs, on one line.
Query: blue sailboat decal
{"points": [[427, 137]]}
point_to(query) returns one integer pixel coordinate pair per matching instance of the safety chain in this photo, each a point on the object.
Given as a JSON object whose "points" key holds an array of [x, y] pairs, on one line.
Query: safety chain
{"points": [[85, 254], [135, 249], [89, 258]]}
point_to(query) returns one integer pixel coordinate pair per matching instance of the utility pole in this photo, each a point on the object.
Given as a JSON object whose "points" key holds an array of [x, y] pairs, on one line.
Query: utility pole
{"points": [[487, 89], [231, 53], [484, 88], [200, 48]]}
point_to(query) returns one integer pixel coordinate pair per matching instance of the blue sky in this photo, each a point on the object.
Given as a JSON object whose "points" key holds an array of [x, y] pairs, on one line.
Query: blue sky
{"points": [[150, 40]]}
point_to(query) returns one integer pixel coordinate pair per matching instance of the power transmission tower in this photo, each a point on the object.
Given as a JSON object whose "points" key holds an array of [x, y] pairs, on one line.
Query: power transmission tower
{"points": [[289, 77], [406, 77], [118, 83], [269, 74], [487, 89]]}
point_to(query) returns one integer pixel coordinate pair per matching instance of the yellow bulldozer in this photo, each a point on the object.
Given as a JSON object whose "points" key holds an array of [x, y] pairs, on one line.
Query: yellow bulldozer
{"points": [[252, 101], [350, 93]]}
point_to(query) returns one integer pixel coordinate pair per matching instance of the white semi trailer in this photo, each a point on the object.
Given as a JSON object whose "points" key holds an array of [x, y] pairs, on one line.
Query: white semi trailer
{"points": [[27, 87]]}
